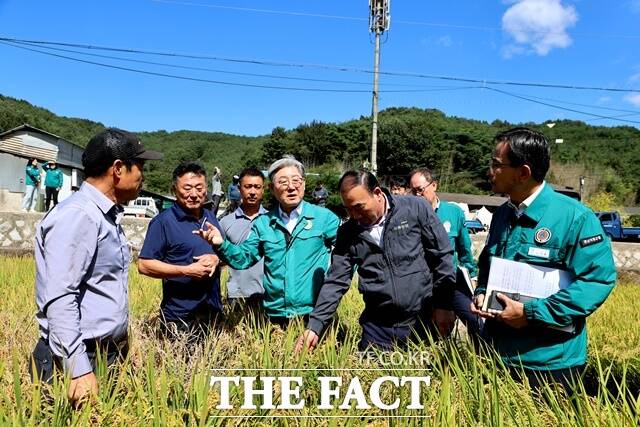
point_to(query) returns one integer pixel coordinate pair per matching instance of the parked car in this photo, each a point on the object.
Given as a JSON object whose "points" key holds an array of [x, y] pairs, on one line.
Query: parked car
{"points": [[142, 207], [612, 226], [474, 226]]}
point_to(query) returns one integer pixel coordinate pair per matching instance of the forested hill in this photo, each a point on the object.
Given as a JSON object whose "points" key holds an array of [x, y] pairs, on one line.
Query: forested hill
{"points": [[459, 149], [229, 152]]}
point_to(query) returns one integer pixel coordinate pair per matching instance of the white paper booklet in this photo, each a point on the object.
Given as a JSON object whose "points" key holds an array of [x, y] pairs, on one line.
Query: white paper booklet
{"points": [[526, 280]]}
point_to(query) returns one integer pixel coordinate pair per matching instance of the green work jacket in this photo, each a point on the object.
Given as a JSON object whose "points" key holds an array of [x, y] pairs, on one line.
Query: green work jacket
{"points": [[53, 177], [452, 218], [294, 263], [32, 175], [558, 232]]}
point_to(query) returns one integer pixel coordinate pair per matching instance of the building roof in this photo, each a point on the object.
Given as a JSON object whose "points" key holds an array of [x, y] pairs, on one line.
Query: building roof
{"points": [[13, 144], [473, 199], [28, 127]]}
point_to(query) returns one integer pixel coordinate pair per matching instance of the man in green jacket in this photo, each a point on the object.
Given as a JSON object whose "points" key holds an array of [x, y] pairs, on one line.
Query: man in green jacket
{"points": [[424, 183], [295, 240], [541, 227], [52, 183]]}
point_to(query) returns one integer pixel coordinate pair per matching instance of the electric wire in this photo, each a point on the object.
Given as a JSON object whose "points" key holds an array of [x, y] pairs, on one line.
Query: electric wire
{"points": [[331, 67], [395, 21], [220, 82]]}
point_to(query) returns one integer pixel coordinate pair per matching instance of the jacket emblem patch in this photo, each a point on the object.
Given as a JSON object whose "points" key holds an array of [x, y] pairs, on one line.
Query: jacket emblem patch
{"points": [[543, 235]]}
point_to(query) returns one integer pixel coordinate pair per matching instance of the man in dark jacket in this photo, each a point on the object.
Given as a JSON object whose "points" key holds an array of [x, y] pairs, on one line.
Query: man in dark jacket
{"points": [[403, 259]]}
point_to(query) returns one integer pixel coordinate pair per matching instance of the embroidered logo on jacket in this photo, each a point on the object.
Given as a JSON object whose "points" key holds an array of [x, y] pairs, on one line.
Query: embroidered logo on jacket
{"points": [[543, 235]]}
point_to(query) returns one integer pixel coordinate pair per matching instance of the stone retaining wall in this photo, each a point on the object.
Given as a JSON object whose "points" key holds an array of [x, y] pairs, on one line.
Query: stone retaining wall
{"points": [[625, 255], [17, 231]]}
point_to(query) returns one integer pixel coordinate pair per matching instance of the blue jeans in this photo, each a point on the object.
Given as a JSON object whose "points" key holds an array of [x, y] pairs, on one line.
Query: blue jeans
{"points": [[30, 198]]}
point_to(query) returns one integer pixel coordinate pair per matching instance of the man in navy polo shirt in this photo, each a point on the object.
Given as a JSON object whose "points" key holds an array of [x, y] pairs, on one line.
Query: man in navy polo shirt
{"points": [[186, 264]]}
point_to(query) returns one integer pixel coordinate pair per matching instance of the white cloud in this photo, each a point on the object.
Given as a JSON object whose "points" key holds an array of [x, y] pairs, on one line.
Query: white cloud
{"points": [[635, 78], [444, 41], [604, 100], [539, 25], [633, 98]]}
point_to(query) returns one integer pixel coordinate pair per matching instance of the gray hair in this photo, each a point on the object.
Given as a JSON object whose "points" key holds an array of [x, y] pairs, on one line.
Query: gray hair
{"points": [[285, 162]]}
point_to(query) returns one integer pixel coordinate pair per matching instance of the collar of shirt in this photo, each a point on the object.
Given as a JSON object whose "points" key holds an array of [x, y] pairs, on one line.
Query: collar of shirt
{"points": [[291, 219], [436, 206], [240, 212], [528, 201], [376, 230], [182, 215], [102, 202]]}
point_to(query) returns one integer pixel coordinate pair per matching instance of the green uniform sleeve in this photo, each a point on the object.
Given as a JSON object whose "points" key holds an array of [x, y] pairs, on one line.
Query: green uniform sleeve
{"points": [[463, 248], [590, 261], [333, 222], [245, 255]]}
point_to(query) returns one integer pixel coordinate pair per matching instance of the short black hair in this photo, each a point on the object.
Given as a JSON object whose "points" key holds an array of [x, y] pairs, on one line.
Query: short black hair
{"points": [[353, 178], [31, 159], [428, 174], [105, 148], [251, 171], [186, 167], [398, 181], [527, 147]]}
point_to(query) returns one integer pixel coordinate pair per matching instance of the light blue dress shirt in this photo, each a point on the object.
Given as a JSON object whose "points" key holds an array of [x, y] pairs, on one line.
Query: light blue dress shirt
{"points": [[82, 266]]}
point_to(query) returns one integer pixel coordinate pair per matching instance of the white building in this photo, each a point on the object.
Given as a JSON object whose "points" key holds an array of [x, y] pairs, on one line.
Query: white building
{"points": [[18, 145]]}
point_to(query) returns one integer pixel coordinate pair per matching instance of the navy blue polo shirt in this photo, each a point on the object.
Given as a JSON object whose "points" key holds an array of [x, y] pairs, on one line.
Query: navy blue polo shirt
{"points": [[170, 239]]}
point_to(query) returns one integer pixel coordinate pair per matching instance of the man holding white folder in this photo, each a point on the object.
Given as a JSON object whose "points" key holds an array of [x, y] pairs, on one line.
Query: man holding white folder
{"points": [[546, 337]]}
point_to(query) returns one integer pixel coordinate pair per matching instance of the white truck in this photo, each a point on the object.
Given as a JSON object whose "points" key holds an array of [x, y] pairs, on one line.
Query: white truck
{"points": [[142, 207]]}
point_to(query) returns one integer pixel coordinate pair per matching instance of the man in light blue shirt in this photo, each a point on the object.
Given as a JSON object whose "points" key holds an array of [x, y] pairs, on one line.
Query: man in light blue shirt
{"points": [[245, 285], [82, 265]]}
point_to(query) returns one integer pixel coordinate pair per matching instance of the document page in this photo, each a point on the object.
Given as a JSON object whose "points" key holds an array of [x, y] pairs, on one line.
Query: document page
{"points": [[525, 279]]}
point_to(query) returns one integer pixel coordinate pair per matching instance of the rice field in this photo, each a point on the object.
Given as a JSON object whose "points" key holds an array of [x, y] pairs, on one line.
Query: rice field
{"points": [[164, 383]]}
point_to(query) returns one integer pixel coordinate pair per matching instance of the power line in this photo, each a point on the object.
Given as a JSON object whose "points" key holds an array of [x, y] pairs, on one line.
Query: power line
{"points": [[220, 82], [269, 11], [186, 67], [529, 98], [405, 22], [560, 107], [598, 107], [327, 67], [213, 70]]}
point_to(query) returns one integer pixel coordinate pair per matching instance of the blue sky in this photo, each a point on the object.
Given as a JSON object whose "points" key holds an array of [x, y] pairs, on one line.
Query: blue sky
{"points": [[576, 43]]}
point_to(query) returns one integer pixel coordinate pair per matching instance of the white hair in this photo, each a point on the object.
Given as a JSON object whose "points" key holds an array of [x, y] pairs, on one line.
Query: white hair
{"points": [[285, 162]]}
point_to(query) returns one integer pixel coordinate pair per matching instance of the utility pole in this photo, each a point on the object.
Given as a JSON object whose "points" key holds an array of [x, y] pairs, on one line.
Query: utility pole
{"points": [[378, 24]]}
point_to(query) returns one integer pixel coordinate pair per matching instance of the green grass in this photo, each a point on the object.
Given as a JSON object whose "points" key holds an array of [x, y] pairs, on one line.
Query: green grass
{"points": [[160, 385]]}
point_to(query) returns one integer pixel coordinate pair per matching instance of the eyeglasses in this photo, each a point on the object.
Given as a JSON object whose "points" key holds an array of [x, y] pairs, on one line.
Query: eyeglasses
{"points": [[419, 190], [495, 165], [293, 182]]}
